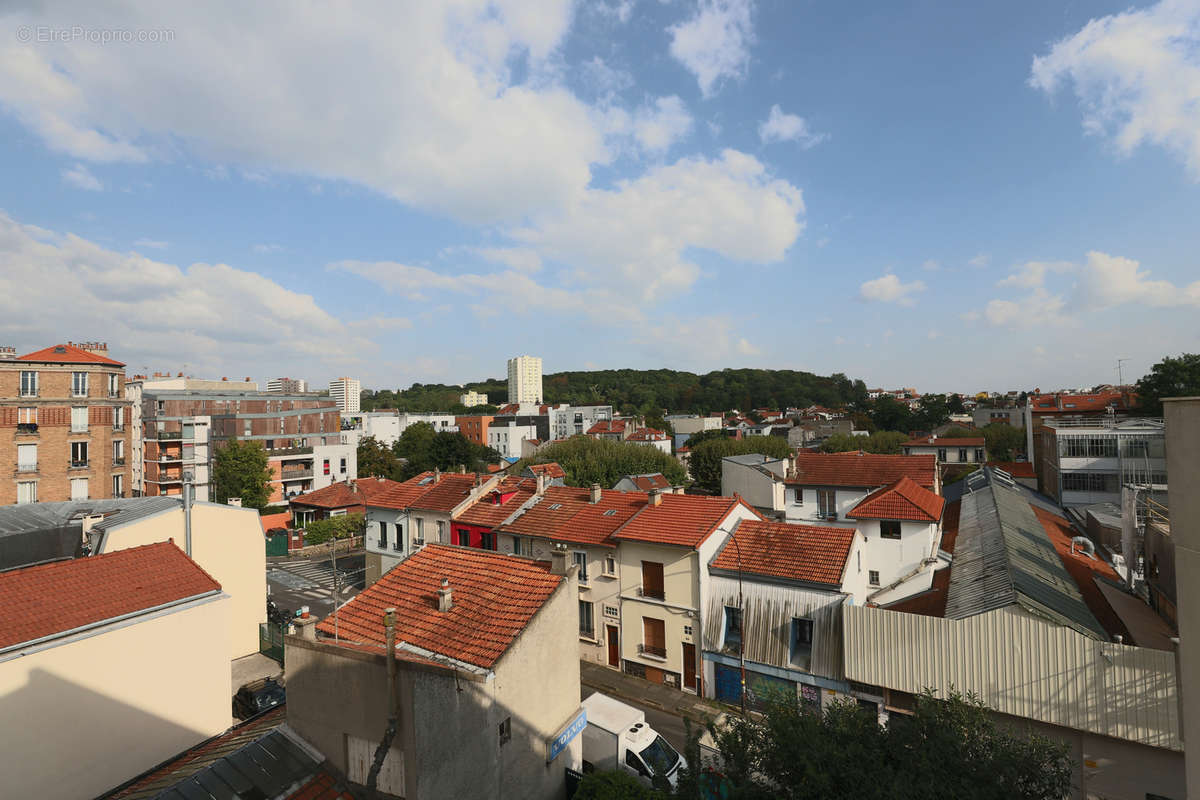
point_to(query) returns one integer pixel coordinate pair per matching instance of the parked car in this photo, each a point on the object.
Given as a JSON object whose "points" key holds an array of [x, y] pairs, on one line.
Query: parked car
{"points": [[256, 697]]}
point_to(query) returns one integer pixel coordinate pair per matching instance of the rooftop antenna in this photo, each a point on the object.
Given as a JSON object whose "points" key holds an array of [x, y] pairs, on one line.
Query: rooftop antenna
{"points": [[1120, 374]]}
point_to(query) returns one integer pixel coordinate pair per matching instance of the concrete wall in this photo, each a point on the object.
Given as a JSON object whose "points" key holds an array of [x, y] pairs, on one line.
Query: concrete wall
{"points": [[759, 490], [680, 608], [1183, 469], [228, 543], [801, 504], [82, 717], [895, 558]]}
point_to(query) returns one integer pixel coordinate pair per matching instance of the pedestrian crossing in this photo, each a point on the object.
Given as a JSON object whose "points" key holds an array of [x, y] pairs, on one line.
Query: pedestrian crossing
{"points": [[312, 580]]}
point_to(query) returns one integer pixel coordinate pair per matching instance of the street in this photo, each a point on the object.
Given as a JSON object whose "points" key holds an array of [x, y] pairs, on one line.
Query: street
{"points": [[667, 724], [296, 582]]}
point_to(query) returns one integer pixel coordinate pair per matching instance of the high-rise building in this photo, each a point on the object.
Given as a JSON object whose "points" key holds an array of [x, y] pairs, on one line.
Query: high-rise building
{"points": [[69, 421], [525, 379], [346, 393], [287, 385]]}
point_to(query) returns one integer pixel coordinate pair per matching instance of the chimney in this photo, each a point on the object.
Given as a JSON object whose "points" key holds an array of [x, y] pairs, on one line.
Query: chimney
{"points": [[558, 560], [246, 379], [478, 480], [307, 627], [655, 499], [541, 483], [8, 353], [445, 602], [595, 493], [234, 501], [437, 474]]}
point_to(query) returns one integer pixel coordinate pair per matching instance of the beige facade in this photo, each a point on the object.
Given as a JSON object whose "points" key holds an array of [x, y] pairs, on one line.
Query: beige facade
{"points": [[1183, 468], [228, 543], [61, 438], [450, 717], [81, 715]]}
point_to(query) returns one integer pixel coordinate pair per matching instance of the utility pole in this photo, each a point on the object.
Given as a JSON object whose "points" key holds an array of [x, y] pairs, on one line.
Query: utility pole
{"points": [[1120, 374]]}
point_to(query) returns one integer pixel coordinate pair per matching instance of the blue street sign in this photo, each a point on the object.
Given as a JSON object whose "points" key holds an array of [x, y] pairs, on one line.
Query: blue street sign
{"points": [[559, 743]]}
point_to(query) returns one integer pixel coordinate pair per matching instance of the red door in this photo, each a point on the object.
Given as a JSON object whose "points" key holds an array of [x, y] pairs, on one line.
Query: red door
{"points": [[614, 647], [689, 666]]}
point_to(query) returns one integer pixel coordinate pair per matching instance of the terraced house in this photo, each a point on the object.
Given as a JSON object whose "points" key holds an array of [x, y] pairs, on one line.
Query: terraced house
{"points": [[67, 424]]}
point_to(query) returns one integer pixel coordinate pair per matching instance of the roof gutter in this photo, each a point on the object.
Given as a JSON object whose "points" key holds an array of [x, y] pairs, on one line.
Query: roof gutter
{"points": [[91, 626]]}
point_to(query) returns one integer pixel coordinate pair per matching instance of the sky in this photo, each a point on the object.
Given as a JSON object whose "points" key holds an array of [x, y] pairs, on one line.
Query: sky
{"points": [[943, 195]]}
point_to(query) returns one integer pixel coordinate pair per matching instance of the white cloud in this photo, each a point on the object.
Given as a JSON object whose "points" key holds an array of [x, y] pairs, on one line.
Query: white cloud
{"points": [[153, 244], [931, 266], [1136, 75], [657, 128], [781, 127], [604, 79], [979, 261], [635, 236], [1106, 281], [263, 249], [214, 317], [1032, 274], [1039, 308], [617, 11], [890, 289], [745, 348], [715, 43], [970, 316], [81, 177], [519, 258]]}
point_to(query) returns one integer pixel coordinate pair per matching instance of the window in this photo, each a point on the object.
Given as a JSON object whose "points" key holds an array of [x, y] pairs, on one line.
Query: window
{"points": [[873, 577], [687, 630], [516, 547], [79, 488], [733, 628], [79, 419], [114, 385], [27, 458], [652, 580], [420, 530], [962, 455], [827, 503], [586, 625], [610, 565], [941, 454], [889, 529], [611, 611], [29, 384], [118, 419], [979, 455], [343, 469], [118, 485], [327, 466], [383, 534], [580, 560], [654, 637], [441, 531], [801, 646], [635, 763], [464, 537], [487, 540], [26, 416], [118, 453], [79, 454], [79, 384], [506, 730], [398, 539], [26, 492]]}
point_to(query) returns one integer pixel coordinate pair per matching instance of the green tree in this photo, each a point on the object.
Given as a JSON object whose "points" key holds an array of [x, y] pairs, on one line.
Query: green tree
{"points": [[1171, 377], [954, 404], [615, 785], [1003, 441], [705, 462], [376, 458], [240, 470], [340, 527], [587, 461], [932, 411], [959, 433], [425, 449], [886, 442], [889, 414], [947, 748]]}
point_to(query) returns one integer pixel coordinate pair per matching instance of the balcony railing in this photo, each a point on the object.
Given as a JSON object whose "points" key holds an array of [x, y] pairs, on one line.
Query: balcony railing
{"points": [[118, 461], [654, 651], [27, 467], [296, 474], [167, 435], [79, 428], [79, 463], [27, 428], [657, 594], [291, 451]]}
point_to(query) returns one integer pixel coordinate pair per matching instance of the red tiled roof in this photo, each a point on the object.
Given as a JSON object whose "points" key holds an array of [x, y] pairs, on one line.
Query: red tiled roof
{"points": [[67, 354], [447, 493], [394, 494], [270, 521], [493, 598], [576, 519], [679, 519], [652, 481], [1082, 570], [335, 495], [903, 499], [945, 441], [932, 603], [648, 435], [53, 598], [1017, 469], [608, 426], [322, 786], [551, 469], [812, 553], [508, 408], [857, 468], [1075, 403], [489, 511]]}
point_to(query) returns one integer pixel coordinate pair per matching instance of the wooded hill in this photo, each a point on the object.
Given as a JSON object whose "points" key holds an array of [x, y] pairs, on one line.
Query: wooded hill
{"points": [[645, 391]]}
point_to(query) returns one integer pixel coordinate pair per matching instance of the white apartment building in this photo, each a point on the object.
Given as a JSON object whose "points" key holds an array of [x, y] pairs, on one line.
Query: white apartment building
{"points": [[287, 385], [346, 392], [567, 421], [473, 399], [387, 426], [525, 379], [505, 436]]}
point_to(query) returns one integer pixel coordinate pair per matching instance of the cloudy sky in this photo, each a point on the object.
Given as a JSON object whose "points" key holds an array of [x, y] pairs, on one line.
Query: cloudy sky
{"points": [[952, 196]]}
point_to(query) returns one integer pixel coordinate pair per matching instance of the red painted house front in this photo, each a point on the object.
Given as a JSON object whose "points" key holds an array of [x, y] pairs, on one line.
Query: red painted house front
{"points": [[474, 526]]}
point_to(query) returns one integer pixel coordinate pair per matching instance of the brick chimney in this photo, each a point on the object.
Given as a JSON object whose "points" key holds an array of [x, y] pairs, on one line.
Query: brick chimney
{"points": [[595, 493], [655, 498], [445, 600]]}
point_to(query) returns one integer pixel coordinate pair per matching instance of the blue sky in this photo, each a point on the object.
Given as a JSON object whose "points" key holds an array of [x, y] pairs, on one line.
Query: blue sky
{"points": [[952, 196]]}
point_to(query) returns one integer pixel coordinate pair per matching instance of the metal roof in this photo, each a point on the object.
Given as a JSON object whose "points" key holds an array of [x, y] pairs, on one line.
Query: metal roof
{"points": [[46, 516], [1003, 557]]}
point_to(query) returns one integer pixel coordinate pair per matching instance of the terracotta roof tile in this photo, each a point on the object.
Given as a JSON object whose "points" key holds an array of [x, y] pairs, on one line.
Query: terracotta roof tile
{"points": [[395, 494], [449, 491], [679, 519], [67, 354], [648, 435], [902, 499], [335, 495], [811, 553], [52, 598], [1017, 469], [551, 469], [1082, 570], [566, 513], [654, 480], [500, 503], [272, 521], [607, 426], [946, 441], [1075, 403], [494, 596], [859, 469]]}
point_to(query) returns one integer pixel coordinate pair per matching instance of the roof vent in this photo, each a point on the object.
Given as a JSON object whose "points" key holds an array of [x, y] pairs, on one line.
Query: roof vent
{"points": [[60, 349], [445, 601]]}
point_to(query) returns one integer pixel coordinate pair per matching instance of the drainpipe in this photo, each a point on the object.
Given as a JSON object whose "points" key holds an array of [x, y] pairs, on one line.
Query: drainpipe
{"points": [[187, 513], [389, 625]]}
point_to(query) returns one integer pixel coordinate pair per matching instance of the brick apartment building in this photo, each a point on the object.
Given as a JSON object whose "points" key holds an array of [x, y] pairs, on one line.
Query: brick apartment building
{"points": [[64, 425]]}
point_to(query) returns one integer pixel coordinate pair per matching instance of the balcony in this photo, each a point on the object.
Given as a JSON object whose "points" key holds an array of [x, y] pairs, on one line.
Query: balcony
{"points": [[167, 435], [653, 593], [79, 463], [295, 474], [291, 451], [652, 651], [27, 467], [27, 429]]}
